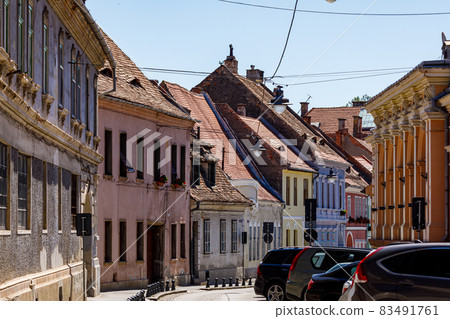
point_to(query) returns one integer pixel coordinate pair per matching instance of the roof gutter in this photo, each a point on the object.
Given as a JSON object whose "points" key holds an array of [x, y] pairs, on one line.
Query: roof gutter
{"points": [[99, 36]]}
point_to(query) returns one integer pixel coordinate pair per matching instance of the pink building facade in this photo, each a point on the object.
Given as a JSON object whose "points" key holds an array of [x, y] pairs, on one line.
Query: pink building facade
{"points": [[143, 226], [358, 219]]}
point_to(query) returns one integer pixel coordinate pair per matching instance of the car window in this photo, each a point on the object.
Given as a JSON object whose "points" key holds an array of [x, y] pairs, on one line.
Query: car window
{"points": [[340, 265], [280, 256], [399, 264], [318, 259], [431, 262]]}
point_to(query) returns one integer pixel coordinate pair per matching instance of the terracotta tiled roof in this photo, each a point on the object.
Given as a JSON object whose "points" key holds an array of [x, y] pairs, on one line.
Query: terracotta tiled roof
{"points": [[364, 162], [222, 192], [328, 117], [210, 130], [270, 138], [324, 151], [132, 85]]}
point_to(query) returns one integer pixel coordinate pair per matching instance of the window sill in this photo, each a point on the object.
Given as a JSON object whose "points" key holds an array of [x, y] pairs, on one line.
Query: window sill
{"points": [[24, 232], [73, 231], [123, 263], [140, 261], [123, 179], [140, 180], [5, 233], [60, 232], [107, 263], [45, 231], [107, 177]]}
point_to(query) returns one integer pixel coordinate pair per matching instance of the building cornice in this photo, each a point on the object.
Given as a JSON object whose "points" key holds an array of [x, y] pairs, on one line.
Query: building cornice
{"points": [[75, 22]]}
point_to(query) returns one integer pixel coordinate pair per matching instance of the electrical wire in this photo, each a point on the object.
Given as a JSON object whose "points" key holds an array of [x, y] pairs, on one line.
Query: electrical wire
{"points": [[341, 79], [338, 13], [335, 73], [287, 39]]}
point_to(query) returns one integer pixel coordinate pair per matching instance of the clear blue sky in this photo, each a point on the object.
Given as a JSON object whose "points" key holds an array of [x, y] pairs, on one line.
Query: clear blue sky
{"points": [[195, 34]]}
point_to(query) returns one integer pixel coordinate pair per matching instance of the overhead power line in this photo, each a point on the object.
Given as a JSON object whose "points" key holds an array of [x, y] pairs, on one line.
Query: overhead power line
{"points": [[370, 72], [338, 13], [287, 39], [339, 79]]}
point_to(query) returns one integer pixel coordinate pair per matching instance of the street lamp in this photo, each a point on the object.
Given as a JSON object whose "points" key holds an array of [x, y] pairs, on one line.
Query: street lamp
{"points": [[331, 176], [257, 149], [279, 102]]}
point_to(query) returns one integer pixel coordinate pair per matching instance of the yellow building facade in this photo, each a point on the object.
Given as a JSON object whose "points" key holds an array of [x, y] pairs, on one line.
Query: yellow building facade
{"points": [[410, 159], [297, 186]]}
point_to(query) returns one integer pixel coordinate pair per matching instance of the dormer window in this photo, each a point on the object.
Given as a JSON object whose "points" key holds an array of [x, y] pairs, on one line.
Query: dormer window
{"points": [[135, 82], [107, 72], [211, 174]]}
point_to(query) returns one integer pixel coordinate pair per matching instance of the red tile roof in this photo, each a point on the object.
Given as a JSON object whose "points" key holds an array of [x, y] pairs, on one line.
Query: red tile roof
{"points": [[270, 138], [133, 86], [211, 131], [328, 117], [324, 151]]}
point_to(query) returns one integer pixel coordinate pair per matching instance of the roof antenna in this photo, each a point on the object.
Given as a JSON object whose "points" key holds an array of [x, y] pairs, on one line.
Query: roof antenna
{"points": [[309, 98]]}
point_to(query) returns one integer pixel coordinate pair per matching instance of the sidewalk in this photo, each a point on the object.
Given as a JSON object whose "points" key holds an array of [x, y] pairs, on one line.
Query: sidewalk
{"points": [[122, 295]]}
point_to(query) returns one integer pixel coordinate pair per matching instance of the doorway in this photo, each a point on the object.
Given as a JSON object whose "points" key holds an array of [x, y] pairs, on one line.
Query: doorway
{"points": [[155, 253]]}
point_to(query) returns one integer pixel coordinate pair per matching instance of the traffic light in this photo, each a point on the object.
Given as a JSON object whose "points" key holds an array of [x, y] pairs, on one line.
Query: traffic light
{"points": [[310, 209]]}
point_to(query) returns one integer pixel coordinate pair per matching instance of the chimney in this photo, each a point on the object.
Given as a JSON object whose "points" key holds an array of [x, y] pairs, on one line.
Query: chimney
{"points": [[255, 75], [304, 108], [307, 119], [357, 126], [341, 125], [231, 63], [197, 90], [241, 109], [359, 103]]}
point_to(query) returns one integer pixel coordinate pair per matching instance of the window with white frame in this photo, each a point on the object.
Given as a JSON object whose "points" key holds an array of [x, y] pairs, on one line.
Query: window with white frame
{"points": [[349, 205], [3, 186], [207, 236], [234, 241], [23, 184], [223, 236]]}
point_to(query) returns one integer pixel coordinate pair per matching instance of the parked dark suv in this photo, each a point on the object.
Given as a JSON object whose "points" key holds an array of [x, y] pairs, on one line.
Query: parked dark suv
{"points": [[313, 260], [273, 271], [404, 272]]}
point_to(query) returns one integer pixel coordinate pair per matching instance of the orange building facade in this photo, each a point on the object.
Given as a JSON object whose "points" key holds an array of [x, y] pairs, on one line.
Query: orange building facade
{"points": [[410, 156]]}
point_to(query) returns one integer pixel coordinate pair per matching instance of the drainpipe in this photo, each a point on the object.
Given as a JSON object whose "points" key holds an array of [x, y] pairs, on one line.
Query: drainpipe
{"points": [[99, 36], [446, 171]]}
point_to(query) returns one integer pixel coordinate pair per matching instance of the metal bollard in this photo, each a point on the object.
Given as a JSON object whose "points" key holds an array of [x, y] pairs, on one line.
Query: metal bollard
{"points": [[250, 281], [161, 286], [243, 281], [167, 285], [148, 294], [237, 282], [142, 295], [216, 283], [230, 282], [173, 284], [207, 282], [223, 283]]}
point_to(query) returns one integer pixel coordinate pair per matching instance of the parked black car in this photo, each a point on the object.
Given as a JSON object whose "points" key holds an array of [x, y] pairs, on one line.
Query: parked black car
{"points": [[273, 271], [327, 286], [314, 260], [404, 272]]}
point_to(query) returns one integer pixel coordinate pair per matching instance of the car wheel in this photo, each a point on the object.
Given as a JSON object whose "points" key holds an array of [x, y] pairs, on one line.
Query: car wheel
{"points": [[275, 293]]}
